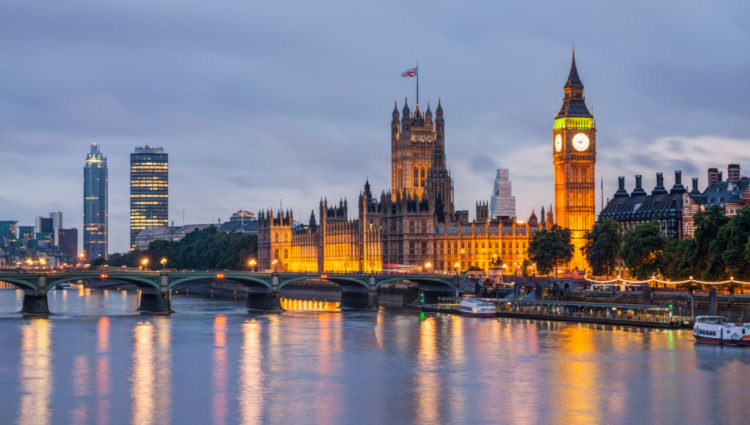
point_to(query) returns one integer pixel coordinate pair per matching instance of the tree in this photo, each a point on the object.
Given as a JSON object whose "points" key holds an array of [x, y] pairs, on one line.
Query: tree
{"points": [[674, 262], [642, 249], [550, 248], [728, 255], [199, 250], [603, 247]]}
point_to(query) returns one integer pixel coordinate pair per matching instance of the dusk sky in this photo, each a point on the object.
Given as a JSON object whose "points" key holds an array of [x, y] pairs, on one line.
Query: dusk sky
{"points": [[260, 100]]}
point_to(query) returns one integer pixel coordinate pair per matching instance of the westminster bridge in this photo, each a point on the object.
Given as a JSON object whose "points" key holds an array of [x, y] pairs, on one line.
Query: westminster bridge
{"points": [[358, 291]]}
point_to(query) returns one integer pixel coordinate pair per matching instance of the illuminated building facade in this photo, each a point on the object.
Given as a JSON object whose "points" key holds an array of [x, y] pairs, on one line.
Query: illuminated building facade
{"points": [[412, 226], [95, 204], [149, 190], [574, 157]]}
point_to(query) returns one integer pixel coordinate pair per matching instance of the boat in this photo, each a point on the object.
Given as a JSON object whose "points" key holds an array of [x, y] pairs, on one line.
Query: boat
{"points": [[474, 307], [718, 330]]}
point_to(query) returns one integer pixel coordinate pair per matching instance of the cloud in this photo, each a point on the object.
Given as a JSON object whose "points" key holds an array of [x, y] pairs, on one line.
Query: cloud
{"points": [[291, 99]]}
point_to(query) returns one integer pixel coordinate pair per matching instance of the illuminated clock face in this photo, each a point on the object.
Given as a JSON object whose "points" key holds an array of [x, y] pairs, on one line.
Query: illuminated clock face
{"points": [[558, 143], [580, 142]]}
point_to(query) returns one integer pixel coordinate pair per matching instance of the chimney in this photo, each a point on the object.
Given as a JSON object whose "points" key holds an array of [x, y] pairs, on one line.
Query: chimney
{"points": [[733, 173], [659, 188], [713, 176], [678, 187], [695, 190], [621, 192], [638, 191]]}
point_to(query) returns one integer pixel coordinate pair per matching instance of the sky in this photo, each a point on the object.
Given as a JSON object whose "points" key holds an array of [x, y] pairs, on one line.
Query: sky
{"points": [[266, 102]]}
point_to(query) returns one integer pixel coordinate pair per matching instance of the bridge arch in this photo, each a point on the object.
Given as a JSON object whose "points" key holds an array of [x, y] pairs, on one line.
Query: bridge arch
{"points": [[24, 284], [141, 282], [242, 279], [448, 282], [338, 280]]}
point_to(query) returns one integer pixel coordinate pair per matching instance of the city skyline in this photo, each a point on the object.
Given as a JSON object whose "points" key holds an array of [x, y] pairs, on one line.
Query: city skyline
{"points": [[240, 130]]}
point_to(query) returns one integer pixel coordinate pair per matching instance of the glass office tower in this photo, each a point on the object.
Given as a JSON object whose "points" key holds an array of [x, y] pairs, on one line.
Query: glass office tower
{"points": [[95, 210], [149, 190]]}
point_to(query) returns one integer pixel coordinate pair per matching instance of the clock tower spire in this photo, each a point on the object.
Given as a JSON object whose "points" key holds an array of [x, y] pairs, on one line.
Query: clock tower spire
{"points": [[574, 157]]}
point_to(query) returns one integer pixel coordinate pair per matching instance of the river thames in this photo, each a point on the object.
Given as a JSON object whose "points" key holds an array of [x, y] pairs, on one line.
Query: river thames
{"points": [[96, 361]]}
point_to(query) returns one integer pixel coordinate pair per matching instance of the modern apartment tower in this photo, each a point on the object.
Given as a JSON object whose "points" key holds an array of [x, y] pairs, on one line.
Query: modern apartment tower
{"points": [[95, 209], [149, 190]]}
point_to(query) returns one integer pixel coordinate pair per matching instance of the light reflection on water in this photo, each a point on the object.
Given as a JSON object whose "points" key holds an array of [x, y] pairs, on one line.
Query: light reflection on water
{"points": [[213, 363], [35, 374]]}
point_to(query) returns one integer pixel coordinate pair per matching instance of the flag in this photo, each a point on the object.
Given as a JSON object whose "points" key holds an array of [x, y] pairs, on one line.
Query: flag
{"points": [[409, 73]]}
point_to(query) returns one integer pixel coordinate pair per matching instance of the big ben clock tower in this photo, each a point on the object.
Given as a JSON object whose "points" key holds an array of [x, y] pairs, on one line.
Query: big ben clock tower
{"points": [[574, 156]]}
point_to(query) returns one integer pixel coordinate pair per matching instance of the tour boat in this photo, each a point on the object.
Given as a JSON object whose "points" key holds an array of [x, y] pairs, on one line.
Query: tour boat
{"points": [[717, 330], [475, 307]]}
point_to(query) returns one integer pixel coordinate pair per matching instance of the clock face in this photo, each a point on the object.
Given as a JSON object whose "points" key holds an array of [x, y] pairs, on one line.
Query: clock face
{"points": [[581, 142], [558, 143]]}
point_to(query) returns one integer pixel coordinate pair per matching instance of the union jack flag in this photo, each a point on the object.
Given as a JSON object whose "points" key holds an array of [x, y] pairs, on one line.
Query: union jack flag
{"points": [[409, 73]]}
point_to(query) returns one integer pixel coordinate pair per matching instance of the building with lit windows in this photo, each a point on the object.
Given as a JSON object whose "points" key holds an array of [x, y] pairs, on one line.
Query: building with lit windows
{"points": [[95, 204], [149, 190], [412, 226]]}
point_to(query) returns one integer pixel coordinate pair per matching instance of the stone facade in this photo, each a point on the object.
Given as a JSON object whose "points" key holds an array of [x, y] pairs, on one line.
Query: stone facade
{"points": [[412, 226]]}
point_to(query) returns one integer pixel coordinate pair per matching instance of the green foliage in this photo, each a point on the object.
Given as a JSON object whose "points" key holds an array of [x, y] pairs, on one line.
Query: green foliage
{"points": [[198, 250], [603, 246], [674, 260], [525, 268], [728, 252], [550, 248], [642, 249]]}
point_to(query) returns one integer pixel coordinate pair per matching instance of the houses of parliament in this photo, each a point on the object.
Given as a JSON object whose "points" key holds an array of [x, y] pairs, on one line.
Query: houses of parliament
{"points": [[415, 224]]}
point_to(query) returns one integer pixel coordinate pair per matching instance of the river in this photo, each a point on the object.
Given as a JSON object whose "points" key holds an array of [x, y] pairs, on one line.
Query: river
{"points": [[96, 361]]}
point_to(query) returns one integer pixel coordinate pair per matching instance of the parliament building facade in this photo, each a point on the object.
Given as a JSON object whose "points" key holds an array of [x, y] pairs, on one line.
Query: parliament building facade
{"points": [[415, 225]]}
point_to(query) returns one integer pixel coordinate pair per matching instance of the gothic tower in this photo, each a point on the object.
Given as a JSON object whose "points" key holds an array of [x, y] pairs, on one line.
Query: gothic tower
{"points": [[574, 156], [412, 150]]}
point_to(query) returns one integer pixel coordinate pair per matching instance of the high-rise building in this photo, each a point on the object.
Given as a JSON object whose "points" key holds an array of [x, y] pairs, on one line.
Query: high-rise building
{"points": [[67, 243], [149, 190], [502, 203], [574, 156], [95, 208]]}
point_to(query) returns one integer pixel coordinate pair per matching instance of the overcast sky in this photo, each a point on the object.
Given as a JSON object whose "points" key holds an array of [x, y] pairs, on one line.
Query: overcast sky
{"points": [[260, 100]]}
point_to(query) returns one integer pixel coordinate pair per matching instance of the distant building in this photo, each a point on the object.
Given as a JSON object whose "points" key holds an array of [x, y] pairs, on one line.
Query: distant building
{"points": [[95, 204], [68, 243], [502, 203], [241, 222], [149, 190], [166, 233], [8, 232], [675, 209]]}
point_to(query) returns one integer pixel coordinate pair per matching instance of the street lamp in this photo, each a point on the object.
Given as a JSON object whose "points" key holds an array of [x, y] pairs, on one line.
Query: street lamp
{"points": [[457, 266], [273, 263], [428, 266], [163, 262], [252, 263], [144, 262]]}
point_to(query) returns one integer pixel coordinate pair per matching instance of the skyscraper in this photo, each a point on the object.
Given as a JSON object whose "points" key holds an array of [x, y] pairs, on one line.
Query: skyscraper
{"points": [[502, 203], [574, 156], [95, 210], [149, 190]]}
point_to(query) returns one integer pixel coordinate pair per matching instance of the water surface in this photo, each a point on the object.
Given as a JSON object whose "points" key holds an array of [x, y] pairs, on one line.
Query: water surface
{"points": [[96, 361]]}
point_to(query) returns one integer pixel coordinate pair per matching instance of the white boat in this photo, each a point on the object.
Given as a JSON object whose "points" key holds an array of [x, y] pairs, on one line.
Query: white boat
{"points": [[475, 307], [717, 330]]}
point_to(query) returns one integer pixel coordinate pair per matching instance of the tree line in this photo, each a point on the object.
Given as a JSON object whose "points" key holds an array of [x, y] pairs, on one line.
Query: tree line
{"points": [[718, 250], [201, 249]]}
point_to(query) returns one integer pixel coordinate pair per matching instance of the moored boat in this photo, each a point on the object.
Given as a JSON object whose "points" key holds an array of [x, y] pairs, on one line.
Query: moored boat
{"points": [[474, 307], [717, 330]]}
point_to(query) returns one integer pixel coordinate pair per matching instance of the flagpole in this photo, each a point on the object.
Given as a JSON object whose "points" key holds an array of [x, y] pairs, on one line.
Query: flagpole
{"points": [[417, 83]]}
